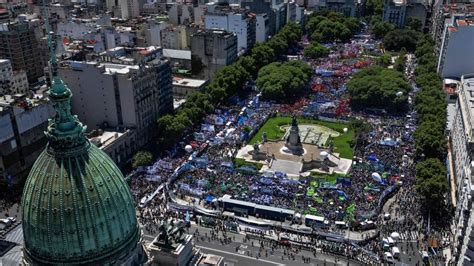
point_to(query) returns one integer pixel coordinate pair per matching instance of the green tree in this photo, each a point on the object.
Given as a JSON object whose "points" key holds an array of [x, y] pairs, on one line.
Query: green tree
{"points": [[170, 128], [283, 81], [142, 158], [380, 29], [429, 139], [431, 183], [397, 39], [263, 55], [373, 7], [400, 61], [378, 87], [316, 50], [384, 60], [414, 23]]}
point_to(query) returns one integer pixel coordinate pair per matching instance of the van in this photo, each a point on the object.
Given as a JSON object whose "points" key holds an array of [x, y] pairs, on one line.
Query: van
{"points": [[396, 252], [388, 257]]}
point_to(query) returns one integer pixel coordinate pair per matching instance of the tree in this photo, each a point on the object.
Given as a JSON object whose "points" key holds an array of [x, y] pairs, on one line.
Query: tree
{"points": [[263, 55], [373, 7], [414, 23], [142, 158], [399, 38], [316, 50], [283, 81], [400, 61], [380, 29], [170, 128], [384, 60], [429, 139], [331, 26], [431, 183], [378, 87]]}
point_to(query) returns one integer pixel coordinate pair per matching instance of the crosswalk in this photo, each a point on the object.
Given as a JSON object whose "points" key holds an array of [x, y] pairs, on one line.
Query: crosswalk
{"points": [[408, 236]]}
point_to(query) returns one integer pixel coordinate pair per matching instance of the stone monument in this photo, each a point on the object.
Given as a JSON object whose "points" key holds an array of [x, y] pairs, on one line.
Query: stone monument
{"points": [[293, 141], [172, 246]]}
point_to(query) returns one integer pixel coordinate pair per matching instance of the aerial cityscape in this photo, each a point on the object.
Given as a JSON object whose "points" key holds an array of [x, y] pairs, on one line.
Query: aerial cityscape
{"points": [[236, 132]]}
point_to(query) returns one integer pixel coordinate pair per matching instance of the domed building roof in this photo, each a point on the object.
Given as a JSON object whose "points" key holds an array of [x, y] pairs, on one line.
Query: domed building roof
{"points": [[76, 206]]}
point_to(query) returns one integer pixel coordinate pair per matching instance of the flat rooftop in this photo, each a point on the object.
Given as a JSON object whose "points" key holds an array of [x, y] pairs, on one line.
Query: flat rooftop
{"points": [[106, 138], [191, 83]]}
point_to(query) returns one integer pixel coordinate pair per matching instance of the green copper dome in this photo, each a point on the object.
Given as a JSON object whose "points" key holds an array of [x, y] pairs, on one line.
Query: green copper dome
{"points": [[77, 209], [76, 205]]}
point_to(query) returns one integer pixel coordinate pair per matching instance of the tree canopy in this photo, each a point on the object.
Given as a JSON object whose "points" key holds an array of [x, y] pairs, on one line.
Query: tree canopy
{"points": [[316, 50], [431, 182], [325, 26], [378, 87], [142, 158], [381, 28], [396, 39], [283, 81]]}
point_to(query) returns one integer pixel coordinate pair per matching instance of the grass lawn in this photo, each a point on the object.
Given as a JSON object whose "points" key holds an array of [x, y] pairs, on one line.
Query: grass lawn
{"points": [[238, 162], [331, 178], [341, 143]]}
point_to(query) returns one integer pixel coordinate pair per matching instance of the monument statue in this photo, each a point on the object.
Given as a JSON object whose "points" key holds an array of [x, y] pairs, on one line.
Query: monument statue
{"points": [[169, 234], [293, 141]]}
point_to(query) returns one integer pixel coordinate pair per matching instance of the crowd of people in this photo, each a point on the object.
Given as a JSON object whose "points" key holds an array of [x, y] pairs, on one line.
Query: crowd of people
{"points": [[383, 166]]}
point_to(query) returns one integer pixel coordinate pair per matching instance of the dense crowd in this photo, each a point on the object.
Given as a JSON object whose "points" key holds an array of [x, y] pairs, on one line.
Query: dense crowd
{"points": [[383, 166]]}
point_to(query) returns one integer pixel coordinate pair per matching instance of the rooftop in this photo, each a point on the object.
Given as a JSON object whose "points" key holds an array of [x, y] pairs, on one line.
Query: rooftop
{"points": [[105, 138], [191, 83]]}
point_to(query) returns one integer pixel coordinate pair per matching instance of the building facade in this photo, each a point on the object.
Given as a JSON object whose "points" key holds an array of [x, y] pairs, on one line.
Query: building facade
{"points": [[22, 122], [130, 96], [236, 20], [175, 37], [212, 50], [462, 143], [397, 12], [262, 28], [19, 45]]}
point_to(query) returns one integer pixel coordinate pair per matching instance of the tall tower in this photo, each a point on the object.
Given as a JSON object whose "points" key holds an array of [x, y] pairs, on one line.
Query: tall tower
{"points": [[76, 206]]}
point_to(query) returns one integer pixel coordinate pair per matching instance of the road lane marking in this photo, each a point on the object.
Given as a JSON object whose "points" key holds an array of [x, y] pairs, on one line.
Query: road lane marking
{"points": [[238, 255]]}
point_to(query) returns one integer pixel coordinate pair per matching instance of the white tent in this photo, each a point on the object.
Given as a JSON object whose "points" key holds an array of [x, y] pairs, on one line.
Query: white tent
{"points": [[376, 177]]}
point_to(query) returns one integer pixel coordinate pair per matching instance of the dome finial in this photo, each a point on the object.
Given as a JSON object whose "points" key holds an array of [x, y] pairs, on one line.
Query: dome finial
{"points": [[64, 130]]}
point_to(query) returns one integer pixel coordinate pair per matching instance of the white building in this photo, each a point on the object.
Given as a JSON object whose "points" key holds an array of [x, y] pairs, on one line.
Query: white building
{"points": [[109, 95], [462, 142], [262, 28], [456, 56], [12, 82], [235, 20]]}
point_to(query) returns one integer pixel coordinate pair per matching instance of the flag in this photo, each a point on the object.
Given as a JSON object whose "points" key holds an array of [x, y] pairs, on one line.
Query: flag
{"points": [[351, 209]]}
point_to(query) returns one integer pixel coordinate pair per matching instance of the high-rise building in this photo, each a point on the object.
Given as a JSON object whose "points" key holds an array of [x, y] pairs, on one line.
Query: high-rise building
{"points": [[462, 154], [22, 123], [123, 95], [213, 50], [175, 37], [233, 19], [262, 28], [19, 45], [397, 12], [76, 206]]}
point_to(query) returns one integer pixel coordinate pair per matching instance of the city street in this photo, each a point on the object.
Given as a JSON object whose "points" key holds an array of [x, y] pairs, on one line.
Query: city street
{"points": [[244, 252]]}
